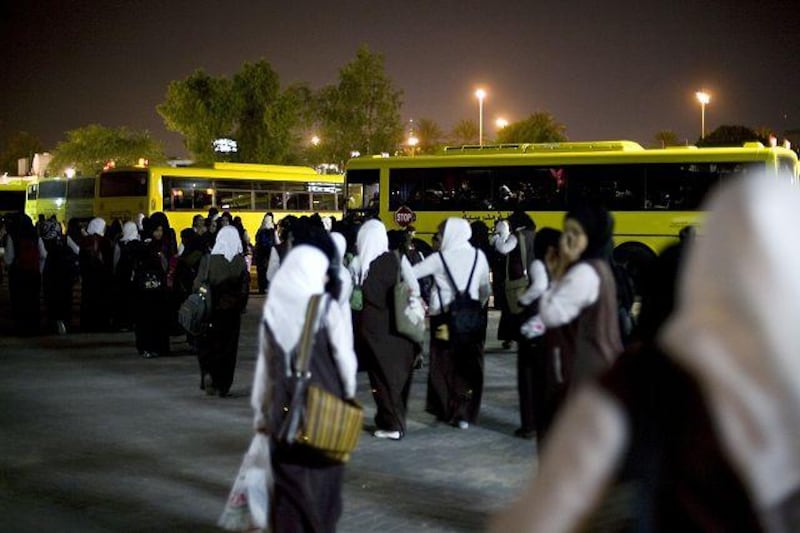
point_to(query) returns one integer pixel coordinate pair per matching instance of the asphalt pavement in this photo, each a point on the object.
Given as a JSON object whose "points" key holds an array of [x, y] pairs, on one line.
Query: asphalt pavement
{"points": [[95, 438]]}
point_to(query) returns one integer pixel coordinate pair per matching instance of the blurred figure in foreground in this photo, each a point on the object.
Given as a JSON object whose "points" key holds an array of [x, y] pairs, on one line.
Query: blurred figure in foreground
{"points": [[698, 430], [307, 490]]}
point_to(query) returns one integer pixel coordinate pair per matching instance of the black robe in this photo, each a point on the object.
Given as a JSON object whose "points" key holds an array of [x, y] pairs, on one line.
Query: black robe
{"points": [[388, 356], [152, 310]]}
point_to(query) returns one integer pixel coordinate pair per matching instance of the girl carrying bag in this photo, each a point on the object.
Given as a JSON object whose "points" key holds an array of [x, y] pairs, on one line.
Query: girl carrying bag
{"points": [[315, 418], [409, 314], [195, 311], [514, 288]]}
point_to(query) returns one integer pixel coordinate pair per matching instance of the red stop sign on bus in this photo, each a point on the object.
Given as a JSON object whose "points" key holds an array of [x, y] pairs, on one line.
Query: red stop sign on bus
{"points": [[404, 216]]}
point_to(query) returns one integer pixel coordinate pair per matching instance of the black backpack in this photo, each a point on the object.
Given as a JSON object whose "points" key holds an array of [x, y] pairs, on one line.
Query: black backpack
{"points": [[466, 320]]}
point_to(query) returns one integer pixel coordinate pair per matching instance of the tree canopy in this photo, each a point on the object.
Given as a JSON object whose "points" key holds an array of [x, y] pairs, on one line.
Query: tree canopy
{"points": [[360, 113], [731, 136], [465, 132], [666, 138], [539, 127], [430, 136], [88, 149], [21, 144]]}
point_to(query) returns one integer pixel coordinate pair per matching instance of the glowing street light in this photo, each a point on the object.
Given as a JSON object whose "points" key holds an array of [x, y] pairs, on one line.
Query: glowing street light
{"points": [[69, 173], [315, 140], [501, 123], [412, 142], [704, 98], [480, 94]]}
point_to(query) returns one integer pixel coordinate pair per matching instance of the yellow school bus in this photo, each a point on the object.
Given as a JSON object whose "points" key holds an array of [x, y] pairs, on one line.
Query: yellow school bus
{"points": [[12, 195], [65, 198], [246, 190], [653, 193]]}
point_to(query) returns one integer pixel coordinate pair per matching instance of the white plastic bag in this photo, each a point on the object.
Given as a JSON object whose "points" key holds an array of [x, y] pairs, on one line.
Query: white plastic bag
{"points": [[533, 328], [248, 502]]}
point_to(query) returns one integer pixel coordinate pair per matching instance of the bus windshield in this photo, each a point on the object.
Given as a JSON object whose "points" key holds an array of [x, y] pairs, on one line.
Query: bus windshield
{"points": [[52, 189], [123, 183]]}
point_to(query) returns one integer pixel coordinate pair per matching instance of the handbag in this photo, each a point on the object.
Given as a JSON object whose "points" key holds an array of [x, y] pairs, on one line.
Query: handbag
{"points": [[514, 288], [316, 418], [408, 319], [195, 311]]}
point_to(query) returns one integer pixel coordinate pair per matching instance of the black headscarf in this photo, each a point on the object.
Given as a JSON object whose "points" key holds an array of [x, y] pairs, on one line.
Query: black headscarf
{"points": [[598, 226]]}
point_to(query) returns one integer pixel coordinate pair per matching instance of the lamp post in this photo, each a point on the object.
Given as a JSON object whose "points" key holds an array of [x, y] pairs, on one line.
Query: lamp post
{"points": [[480, 94], [413, 141], [704, 98]]}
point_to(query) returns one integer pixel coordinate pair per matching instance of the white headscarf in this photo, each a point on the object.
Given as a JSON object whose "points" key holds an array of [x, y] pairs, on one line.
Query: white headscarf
{"points": [[129, 232], [736, 330], [372, 241], [97, 226], [267, 222], [302, 274], [502, 230], [228, 243], [327, 223], [140, 221], [457, 233]]}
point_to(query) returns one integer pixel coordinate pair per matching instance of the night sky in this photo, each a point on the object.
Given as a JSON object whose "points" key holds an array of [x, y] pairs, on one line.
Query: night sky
{"points": [[606, 70]]}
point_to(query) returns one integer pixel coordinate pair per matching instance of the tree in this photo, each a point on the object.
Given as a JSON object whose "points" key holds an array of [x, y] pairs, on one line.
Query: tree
{"points": [[430, 136], [666, 138], [201, 109], [731, 136], [362, 112], [539, 127], [268, 120], [465, 132], [88, 149], [21, 144]]}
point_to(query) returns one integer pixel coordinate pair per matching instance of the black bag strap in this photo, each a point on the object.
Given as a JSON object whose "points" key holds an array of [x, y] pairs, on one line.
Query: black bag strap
{"points": [[450, 276]]}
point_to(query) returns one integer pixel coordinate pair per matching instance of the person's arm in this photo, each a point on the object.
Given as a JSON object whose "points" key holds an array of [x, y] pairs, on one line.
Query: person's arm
{"points": [[42, 254], [407, 272], [117, 254], [538, 277], [202, 272], [484, 287], [505, 247], [581, 455], [274, 264], [73, 245], [262, 386], [340, 334], [428, 266], [9, 255], [564, 300]]}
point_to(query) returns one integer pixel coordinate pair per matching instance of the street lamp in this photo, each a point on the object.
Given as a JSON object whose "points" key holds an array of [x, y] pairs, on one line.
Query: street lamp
{"points": [[315, 140], [501, 123], [480, 94], [412, 144], [704, 98]]}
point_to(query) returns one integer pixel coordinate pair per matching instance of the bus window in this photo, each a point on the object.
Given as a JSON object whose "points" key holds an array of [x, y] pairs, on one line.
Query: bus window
{"points": [[615, 187], [53, 189], [363, 189], [80, 188], [123, 183], [182, 193], [234, 200]]}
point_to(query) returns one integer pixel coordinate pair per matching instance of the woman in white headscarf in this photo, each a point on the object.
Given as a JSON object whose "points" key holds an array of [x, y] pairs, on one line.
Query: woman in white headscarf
{"points": [[455, 381], [96, 264], [126, 251], [387, 356], [307, 488], [223, 271], [711, 411]]}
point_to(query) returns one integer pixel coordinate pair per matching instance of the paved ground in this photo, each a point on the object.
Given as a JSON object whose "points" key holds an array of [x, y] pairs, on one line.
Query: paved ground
{"points": [[95, 438]]}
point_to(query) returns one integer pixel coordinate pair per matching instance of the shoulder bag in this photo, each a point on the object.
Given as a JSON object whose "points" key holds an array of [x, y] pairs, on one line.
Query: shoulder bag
{"points": [[195, 311], [316, 418], [408, 320], [515, 287]]}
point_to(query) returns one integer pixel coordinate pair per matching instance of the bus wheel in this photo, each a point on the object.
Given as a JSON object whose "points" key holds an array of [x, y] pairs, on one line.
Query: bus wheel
{"points": [[636, 258]]}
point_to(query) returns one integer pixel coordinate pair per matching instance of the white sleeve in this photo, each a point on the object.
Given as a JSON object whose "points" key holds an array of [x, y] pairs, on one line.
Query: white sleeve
{"points": [[340, 334], [274, 264], [538, 276], [504, 247], [427, 267], [73, 245], [566, 298], [42, 254], [408, 275], [484, 288], [262, 387], [584, 450]]}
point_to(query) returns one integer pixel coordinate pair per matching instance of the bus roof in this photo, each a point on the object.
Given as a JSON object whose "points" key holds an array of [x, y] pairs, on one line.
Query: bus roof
{"points": [[601, 152]]}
